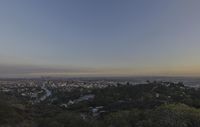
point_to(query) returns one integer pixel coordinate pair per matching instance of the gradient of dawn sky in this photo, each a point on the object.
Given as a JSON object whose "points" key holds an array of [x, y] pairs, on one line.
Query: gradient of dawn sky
{"points": [[99, 37]]}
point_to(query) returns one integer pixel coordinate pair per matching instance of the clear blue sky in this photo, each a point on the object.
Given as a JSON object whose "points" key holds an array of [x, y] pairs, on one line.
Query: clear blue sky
{"points": [[99, 37]]}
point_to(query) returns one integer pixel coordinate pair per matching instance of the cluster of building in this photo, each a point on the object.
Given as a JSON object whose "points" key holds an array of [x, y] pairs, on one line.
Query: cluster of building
{"points": [[37, 90]]}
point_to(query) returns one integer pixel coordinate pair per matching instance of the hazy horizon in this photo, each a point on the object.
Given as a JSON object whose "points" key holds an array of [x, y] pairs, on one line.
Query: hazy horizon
{"points": [[99, 38]]}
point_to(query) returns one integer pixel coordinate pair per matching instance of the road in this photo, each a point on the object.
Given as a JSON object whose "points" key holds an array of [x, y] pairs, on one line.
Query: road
{"points": [[47, 92]]}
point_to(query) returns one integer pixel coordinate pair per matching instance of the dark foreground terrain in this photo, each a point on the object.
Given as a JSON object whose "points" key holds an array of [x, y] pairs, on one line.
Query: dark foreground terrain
{"points": [[153, 104]]}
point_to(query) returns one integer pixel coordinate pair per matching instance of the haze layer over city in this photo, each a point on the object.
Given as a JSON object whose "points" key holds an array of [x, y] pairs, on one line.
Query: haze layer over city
{"points": [[99, 38]]}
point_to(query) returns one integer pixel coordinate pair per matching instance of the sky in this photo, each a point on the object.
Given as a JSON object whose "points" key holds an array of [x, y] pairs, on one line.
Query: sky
{"points": [[99, 38]]}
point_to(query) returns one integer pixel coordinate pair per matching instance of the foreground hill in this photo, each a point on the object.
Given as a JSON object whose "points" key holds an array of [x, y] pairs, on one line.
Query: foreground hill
{"points": [[154, 104]]}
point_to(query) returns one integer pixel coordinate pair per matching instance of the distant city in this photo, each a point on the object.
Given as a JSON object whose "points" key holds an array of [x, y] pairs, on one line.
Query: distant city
{"points": [[39, 89]]}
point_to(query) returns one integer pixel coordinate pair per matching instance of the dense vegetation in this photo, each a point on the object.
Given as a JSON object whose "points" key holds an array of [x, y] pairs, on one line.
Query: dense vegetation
{"points": [[146, 105]]}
